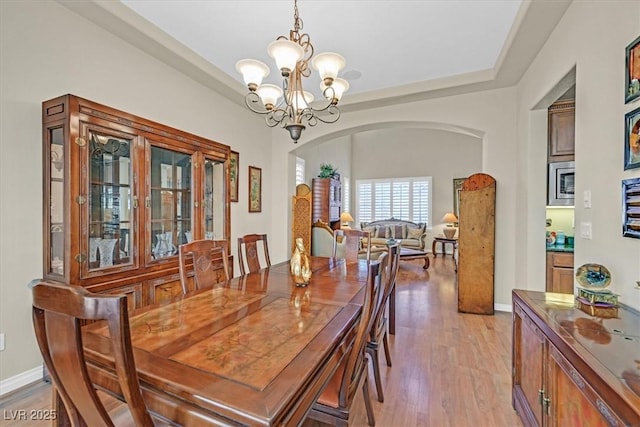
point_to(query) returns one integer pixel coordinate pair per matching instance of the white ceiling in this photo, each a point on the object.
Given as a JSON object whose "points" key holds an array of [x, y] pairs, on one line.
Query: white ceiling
{"points": [[386, 43], [397, 51]]}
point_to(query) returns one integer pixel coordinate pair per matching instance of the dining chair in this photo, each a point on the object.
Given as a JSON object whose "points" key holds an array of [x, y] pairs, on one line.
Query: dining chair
{"points": [[334, 404], [57, 314], [348, 244], [379, 331], [248, 249], [206, 258]]}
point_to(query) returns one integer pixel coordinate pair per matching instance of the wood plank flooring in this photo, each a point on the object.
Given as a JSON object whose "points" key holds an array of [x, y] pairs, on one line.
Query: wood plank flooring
{"points": [[449, 369]]}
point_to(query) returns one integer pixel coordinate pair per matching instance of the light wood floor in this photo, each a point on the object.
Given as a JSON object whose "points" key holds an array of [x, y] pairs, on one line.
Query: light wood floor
{"points": [[449, 369]]}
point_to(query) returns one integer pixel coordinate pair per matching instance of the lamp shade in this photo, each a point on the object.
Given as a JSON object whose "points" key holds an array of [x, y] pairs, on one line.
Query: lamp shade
{"points": [[269, 94], [253, 71], [286, 53], [338, 87], [449, 217], [328, 65], [346, 217]]}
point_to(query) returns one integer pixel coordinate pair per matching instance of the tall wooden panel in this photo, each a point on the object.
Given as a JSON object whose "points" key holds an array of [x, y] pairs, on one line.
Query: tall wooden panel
{"points": [[301, 221], [476, 244]]}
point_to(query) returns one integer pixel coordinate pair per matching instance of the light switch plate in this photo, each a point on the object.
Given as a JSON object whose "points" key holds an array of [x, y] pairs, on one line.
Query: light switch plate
{"points": [[587, 199], [1, 342], [585, 230]]}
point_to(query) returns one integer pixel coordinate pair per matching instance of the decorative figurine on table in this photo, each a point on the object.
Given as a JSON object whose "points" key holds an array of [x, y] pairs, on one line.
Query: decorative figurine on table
{"points": [[300, 268]]}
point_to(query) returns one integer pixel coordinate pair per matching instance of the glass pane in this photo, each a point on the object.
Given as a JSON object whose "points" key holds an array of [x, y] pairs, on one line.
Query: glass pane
{"points": [[109, 201], [56, 207], [214, 201], [170, 201]]}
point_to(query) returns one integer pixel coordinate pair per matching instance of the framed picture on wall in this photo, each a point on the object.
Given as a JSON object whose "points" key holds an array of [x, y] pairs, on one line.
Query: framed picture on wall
{"points": [[631, 208], [632, 73], [457, 187], [632, 139], [234, 167], [255, 189]]}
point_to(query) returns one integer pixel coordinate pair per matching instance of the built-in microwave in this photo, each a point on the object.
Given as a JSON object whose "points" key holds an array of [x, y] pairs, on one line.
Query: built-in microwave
{"points": [[561, 185]]}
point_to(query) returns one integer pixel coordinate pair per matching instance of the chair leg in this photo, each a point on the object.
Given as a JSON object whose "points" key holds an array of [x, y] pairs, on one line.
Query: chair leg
{"points": [[373, 353], [367, 400], [387, 353]]}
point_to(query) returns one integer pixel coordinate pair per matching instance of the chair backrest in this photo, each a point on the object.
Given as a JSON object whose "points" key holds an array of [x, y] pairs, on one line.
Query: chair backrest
{"points": [[248, 249], [57, 312], [356, 363], [388, 282], [348, 244], [205, 258]]}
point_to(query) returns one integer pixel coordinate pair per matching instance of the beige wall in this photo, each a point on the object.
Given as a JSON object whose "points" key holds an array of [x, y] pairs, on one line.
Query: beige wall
{"points": [[591, 37], [47, 51]]}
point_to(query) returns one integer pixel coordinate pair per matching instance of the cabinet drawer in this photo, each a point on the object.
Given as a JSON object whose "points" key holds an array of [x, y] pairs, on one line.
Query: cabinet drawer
{"points": [[563, 260], [164, 288]]}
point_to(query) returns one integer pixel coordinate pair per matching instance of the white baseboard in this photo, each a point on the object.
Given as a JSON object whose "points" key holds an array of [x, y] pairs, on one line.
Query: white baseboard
{"points": [[20, 380], [503, 307]]}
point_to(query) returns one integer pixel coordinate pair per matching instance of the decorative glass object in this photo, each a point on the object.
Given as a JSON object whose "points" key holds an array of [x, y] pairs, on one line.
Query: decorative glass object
{"points": [[165, 246], [300, 268], [105, 248]]}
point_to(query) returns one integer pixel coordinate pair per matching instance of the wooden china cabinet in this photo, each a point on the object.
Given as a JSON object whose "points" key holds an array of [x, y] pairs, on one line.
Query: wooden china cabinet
{"points": [[327, 201], [121, 193]]}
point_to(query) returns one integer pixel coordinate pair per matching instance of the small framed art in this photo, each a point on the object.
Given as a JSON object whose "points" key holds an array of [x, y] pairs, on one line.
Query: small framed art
{"points": [[632, 139], [631, 208], [234, 167], [255, 189], [632, 73]]}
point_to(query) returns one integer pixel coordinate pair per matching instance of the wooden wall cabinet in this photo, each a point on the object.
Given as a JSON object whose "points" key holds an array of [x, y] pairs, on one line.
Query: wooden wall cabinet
{"points": [[561, 128], [121, 193], [571, 368], [560, 275], [327, 201]]}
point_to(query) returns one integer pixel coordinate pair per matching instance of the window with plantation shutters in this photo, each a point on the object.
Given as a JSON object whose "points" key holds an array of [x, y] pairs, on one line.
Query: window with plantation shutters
{"points": [[299, 171], [401, 198]]}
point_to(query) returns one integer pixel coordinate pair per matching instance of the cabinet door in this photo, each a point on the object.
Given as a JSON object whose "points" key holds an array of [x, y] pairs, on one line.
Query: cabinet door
{"points": [[214, 200], [133, 293], [562, 281], [573, 403], [528, 356], [164, 288], [107, 212], [168, 200], [562, 131]]}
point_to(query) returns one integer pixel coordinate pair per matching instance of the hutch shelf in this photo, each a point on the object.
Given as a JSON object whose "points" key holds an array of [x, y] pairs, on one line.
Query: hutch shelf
{"points": [[121, 193]]}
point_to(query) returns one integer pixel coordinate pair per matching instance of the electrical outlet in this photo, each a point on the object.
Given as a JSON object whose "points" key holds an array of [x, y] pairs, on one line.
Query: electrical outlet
{"points": [[585, 230], [1, 342]]}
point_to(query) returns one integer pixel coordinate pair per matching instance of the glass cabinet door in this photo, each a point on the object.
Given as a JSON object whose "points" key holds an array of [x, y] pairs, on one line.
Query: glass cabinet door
{"points": [[170, 202], [110, 201], [214, 199], [56, 262]]}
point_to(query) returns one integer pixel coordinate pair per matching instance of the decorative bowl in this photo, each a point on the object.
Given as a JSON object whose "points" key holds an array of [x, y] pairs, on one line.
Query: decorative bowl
{"points": [[593, 276]]}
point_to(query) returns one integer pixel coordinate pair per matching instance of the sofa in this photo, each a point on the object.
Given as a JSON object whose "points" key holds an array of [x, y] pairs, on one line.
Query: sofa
{"points": [[322, 242], [410, 234]]}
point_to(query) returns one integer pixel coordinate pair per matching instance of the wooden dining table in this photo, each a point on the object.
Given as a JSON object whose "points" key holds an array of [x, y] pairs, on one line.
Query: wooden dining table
{"points": [[255, 350]]}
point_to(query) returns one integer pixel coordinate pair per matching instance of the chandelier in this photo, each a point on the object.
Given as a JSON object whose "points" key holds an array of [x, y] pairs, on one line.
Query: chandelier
{"points": [[289, 106]]}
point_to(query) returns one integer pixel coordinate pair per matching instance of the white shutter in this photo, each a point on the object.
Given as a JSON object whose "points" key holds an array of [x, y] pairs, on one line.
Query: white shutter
{"points": [[299, 171], [382, 200], [402, 198], [364, 198]]}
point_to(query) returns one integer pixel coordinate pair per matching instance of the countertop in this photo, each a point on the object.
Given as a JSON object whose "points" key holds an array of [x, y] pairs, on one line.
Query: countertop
{"points": [[559, 248]]}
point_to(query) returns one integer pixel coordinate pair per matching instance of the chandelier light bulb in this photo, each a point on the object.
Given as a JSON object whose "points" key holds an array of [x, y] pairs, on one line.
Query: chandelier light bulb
{"points": [[253, 71], [328, 65], [286, 53], [269, 94]]}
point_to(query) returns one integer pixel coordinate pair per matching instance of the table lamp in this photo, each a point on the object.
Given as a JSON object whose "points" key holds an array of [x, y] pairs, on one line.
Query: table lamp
{"points": [[450, 219], [345, 219]]}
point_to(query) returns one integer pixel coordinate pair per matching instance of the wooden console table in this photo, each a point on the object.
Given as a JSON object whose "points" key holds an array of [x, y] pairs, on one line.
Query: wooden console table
{"points": [[574, 363], [444, 241]]}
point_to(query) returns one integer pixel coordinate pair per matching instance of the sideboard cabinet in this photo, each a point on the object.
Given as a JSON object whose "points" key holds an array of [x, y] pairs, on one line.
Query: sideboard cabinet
{"points": [[121, 193], [572, 365]]}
